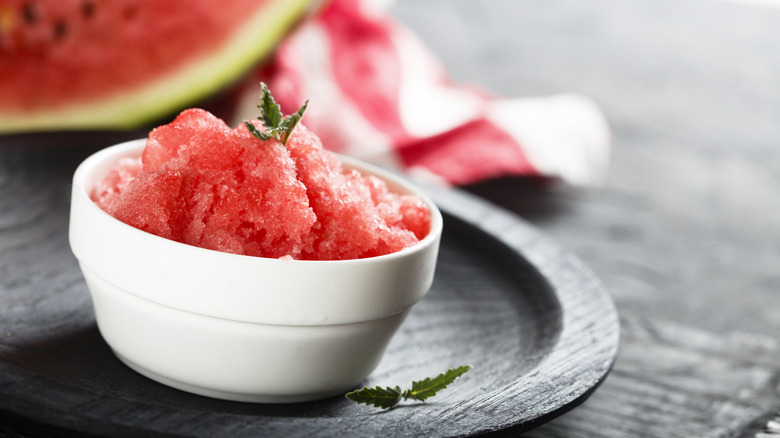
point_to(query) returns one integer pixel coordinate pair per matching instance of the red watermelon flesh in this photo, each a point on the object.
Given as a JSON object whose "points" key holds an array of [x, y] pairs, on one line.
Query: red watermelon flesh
{"points": [[202, 183], [85, 63]]}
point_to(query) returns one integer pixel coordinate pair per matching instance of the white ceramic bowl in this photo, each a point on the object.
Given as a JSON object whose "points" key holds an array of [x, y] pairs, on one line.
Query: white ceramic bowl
{"points": [[238, 327]]}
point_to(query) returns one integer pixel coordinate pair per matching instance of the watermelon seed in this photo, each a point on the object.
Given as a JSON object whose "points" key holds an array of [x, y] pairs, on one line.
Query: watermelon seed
{"points": [[60, 29], [88, 9], [29, 13]]}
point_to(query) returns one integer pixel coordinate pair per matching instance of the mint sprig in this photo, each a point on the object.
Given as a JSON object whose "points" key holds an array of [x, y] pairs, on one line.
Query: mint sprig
{"points": [[276, 125], [421, 390]]}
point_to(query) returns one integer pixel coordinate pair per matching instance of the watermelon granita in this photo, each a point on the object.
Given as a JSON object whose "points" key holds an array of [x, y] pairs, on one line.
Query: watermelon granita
{"points": [[202, 183]]}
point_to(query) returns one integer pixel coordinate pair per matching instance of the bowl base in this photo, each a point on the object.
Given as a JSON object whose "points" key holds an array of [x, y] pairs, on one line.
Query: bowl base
{"points": [[227, 395]]}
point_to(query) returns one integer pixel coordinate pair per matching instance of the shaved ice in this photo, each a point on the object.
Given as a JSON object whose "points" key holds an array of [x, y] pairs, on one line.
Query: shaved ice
{"points": [[203, 183]]}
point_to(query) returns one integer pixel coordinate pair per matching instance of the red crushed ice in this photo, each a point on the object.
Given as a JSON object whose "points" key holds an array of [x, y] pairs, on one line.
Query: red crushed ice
{"points": [[202, 183]]}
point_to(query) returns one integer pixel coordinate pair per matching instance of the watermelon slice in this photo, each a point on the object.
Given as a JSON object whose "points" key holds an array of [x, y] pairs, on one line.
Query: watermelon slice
{"points": [[121, 64]]}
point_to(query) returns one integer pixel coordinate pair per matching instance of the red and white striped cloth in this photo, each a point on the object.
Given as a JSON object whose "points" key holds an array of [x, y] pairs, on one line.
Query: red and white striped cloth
{"points": [[377, 93]]}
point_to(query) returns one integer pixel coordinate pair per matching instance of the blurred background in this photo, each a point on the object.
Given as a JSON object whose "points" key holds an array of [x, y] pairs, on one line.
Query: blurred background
{"points": [[686, 227]]}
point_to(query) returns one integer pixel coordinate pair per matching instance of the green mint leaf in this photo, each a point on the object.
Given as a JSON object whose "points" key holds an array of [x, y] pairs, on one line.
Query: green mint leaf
{"points": [[290, 122], [424, 389], [269, 109], [277, 126], [256, 132], [388, 397], [384, 398]]}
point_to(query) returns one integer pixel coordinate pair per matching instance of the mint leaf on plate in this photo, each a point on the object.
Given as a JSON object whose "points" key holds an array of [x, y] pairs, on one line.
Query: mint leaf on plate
{"points": [[421, 390]]}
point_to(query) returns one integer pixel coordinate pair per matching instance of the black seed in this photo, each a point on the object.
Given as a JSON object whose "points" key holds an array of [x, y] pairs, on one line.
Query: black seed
{"points": [[30, 13], [60, 29], [88, 9]]}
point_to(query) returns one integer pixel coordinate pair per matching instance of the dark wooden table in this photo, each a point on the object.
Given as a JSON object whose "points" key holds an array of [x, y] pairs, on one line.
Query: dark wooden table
{"points": [[686, 232]]}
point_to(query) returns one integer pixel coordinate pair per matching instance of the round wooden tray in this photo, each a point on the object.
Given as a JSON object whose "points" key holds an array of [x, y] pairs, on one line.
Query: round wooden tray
{"points": [[535, 323]]}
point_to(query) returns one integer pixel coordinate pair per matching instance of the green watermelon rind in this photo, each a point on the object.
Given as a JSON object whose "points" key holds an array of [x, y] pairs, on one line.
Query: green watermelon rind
{"points": [[200, 78]]}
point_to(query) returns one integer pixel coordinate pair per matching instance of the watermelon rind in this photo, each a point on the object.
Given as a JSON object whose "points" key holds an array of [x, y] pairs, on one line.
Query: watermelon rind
{"points": [[252, 41]]}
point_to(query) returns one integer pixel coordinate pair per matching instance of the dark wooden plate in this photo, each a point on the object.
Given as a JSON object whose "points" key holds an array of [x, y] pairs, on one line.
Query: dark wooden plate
{"points": [[537, 326]]}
